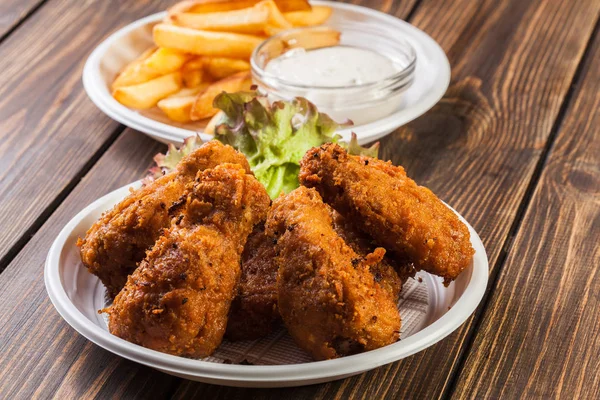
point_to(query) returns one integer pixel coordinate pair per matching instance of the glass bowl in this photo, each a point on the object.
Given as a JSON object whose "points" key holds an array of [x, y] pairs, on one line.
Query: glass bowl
{"points": [[362, 103]]}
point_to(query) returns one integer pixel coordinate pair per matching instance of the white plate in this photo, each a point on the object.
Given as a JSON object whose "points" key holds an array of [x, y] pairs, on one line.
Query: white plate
{"points": [[429, 313], [432, 75]]}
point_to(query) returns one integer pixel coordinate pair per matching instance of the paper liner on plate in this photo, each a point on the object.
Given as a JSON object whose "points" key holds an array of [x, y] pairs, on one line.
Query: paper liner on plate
{"points": [[279, 348]]}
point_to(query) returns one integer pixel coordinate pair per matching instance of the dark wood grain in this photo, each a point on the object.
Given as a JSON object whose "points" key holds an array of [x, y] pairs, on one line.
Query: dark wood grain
{"points": [[50, 130], [513, 62], [13, 12], [540, 333], [41, 355]]}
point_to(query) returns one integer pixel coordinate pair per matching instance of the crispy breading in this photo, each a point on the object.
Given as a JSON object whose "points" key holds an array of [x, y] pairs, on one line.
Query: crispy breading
{"points": [[120, 238], [391, 272], [178, 299], [327, 296], [400, 215], [254, 311]]}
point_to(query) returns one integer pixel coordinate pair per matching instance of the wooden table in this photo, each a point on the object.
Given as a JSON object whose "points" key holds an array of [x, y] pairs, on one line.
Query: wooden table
{"points": [[514, 146]]}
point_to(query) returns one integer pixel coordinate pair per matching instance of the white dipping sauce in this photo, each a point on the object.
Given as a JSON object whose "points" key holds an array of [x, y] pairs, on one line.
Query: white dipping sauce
{"points": [[331, 66]]}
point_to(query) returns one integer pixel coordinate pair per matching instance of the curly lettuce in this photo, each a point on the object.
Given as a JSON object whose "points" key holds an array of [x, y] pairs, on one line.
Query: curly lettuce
{"points": [[275, 136], [272, 136]]}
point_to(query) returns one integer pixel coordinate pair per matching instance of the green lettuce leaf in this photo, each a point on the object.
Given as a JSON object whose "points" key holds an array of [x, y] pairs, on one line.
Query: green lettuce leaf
{"points": [[273, 137]]}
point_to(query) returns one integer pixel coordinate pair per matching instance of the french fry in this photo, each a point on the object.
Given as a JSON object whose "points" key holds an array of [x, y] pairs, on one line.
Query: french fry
{"points": [[209, 6], [317, 16], [217, 44], [292, 5], [147, 94], [192, 78], [130, 70], [177, 108], [203, 106], [221, 67], [195, 63], [209, 129], [277, 21], [313, 38], [186, 92], [179, 105], [159, 62], [249, 20], [310, 38], [276, 18]]}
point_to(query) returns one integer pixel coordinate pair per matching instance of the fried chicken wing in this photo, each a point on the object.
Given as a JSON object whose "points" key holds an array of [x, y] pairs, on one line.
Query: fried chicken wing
{"points": [[254, 311], [119, 240], [400, 215], [178, 299], [327, 296], [391, 272]]}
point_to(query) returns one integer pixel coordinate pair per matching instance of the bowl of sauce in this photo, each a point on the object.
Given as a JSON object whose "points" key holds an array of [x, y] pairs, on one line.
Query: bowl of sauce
{"points": [[349, 73]]}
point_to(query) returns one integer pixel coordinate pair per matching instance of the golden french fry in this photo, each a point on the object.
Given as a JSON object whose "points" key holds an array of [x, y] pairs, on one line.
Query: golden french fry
{"points": [[218, 44], [159, 62], [177, 108], [130, 70], [185, 92], [308, 38], [212, 124], [208, 6], [316, 16], [179, 105], [192, 78], [271, 30], [292, 5], [147, 94], [203, 106], [276, 18], [313, 38], [195, 63], [221, 67], [249, 20]]}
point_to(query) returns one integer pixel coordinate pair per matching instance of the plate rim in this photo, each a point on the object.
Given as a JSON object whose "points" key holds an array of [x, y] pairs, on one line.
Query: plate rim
{"points": [[248, 374], [172, 134]]}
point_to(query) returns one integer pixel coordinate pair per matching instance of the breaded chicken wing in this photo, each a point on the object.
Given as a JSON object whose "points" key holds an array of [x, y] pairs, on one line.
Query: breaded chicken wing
{"points": [[119, 240], [254, 311], [327, 296], [391, 272], [178, 299], [400, 215]]}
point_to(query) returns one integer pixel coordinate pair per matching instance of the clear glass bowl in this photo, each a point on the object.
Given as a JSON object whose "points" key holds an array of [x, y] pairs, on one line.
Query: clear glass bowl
{"points": [[361, 103]]}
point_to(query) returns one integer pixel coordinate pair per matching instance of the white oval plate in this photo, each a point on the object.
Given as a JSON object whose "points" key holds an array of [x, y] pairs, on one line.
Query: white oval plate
{"points": [[429, 313], [432, 75]]}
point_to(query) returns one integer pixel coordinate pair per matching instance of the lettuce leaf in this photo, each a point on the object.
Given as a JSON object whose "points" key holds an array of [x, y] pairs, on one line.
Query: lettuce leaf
{"points": [[273, 137], [167, 162]]}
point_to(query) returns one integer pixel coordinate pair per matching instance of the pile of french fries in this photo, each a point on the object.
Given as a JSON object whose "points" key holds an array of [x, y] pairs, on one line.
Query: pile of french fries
{"points": [[203, 48]]}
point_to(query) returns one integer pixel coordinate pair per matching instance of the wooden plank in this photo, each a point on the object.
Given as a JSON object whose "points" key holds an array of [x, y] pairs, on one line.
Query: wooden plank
{"points": [[513, 62], [13, 12], [539, 336], [41, 355], [50, 130]]}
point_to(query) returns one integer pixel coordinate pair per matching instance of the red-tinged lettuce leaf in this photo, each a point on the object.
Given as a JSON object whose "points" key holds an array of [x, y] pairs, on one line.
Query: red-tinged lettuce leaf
{"points": [[167, 162]]}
